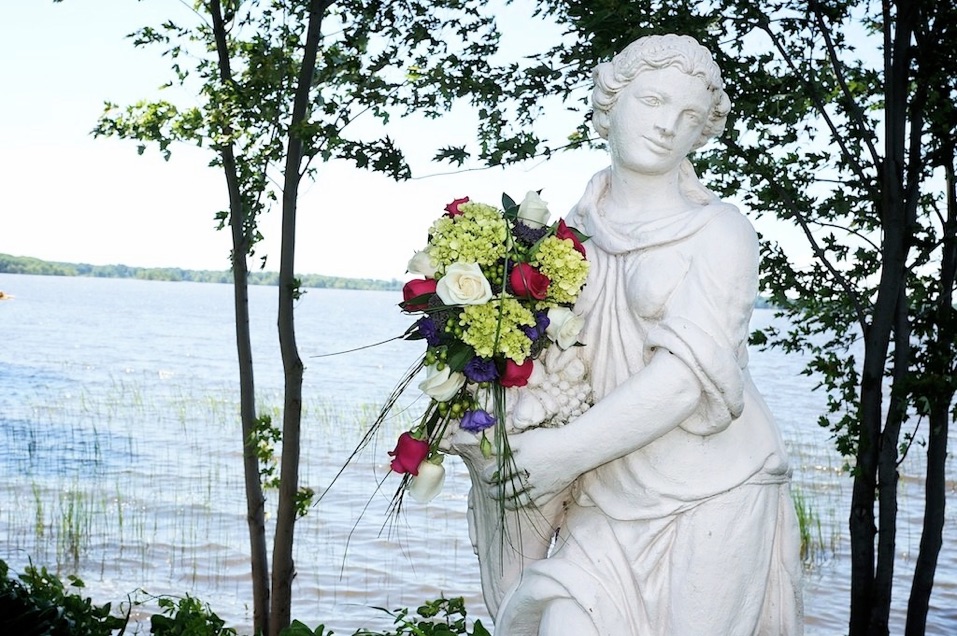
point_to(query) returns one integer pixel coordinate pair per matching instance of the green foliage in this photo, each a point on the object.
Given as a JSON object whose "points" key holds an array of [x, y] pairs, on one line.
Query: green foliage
{"points": [[38, 604], [296, 289], [304, 498], [187, 616], [441, 617], [262, 441], [298, 628]]}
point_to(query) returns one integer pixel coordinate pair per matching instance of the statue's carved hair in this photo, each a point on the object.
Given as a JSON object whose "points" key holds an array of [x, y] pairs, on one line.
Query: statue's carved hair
{"points": [[655, 52]]}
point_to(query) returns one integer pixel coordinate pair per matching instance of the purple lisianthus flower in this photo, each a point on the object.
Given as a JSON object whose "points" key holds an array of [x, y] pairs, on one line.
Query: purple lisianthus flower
{"points": [[538, 329], [428, 330], [477, 421], [480, 370]]}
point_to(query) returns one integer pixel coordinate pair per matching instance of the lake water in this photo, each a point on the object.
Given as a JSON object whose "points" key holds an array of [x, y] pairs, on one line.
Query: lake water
{"points": [[122, 457]]}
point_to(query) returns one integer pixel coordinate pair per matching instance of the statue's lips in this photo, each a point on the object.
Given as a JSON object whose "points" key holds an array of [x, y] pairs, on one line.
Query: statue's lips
{"points": [[657, 145]]}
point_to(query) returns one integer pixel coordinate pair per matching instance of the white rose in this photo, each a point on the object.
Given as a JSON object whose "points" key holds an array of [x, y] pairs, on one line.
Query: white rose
{"points": [[441, 385], [464, 284], [533, 211], [428, 483], [422, 265], [564, 326]]}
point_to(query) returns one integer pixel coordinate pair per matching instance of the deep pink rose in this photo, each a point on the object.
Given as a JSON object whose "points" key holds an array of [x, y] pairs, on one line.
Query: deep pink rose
{"points": [[528, 282], [566, 234], [452, 209], [414, 289], [408, 454], [516, 374]]}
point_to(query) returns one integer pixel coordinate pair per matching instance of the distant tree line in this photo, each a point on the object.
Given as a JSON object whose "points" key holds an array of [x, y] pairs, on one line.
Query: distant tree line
{"points": [[26, 265]]}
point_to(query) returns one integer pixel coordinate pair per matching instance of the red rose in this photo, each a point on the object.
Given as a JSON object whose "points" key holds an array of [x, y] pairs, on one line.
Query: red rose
{"points": [[414, 289], [566, 234], [409, 453], [516, 374], [452, 209], [528, 282]]}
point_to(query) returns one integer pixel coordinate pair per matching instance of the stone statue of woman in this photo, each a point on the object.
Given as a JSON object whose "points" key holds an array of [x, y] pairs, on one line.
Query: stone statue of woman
{"points": [[673, 488]]}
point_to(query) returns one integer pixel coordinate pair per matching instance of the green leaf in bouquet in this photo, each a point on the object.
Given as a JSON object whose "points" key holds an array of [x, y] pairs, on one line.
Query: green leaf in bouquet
{"points": [[421, 299], [459, 355], [509, 207], [581, 236]]}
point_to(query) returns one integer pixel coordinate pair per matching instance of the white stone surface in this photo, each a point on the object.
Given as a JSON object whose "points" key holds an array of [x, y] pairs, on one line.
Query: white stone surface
{"points": [[664, 508]]}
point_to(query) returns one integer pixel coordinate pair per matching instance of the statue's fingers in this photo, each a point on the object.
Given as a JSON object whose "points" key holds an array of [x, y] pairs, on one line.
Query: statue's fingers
{"points": [[519, 499], [491, 475], [502, 491], [509, 488]]}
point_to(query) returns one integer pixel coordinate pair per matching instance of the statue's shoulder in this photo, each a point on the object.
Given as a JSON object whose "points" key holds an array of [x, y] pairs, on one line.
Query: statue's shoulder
{"points": [[729, 224], [587, 206]]}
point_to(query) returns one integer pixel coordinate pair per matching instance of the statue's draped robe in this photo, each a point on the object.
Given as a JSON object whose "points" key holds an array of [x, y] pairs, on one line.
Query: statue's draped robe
{"points": [[694, 533]]}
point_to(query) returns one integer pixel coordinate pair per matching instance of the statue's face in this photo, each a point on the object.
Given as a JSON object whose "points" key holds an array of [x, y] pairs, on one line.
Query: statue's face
{"points": [[657, 120]]}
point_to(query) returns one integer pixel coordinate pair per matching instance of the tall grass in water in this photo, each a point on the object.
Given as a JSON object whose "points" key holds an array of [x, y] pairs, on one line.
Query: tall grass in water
{"points": [[809, 524], [39, 522], [75, 522], [145, 473], [818, 490]]}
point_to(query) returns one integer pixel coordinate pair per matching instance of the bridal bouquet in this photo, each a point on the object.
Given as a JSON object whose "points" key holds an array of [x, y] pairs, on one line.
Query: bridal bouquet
{"points": [[495, 290]]}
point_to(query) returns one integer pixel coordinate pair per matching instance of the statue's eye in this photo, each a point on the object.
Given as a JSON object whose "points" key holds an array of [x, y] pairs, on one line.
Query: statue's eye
{"points": [[693, 116], [650, 100]]}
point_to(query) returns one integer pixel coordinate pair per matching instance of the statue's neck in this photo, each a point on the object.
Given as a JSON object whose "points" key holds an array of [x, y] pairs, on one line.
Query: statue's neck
{"points": [[632, 197]]}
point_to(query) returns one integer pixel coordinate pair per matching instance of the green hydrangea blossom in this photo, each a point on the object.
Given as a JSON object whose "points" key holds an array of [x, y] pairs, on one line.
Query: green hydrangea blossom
{"points": [[478, 235], [564, 266], [481, 322]]}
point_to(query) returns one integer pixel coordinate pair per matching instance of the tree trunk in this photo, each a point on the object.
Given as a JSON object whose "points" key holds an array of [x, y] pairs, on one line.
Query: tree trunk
{"points": [[888, 476], [869, 615], [283, 565], [935, 498], [255, 501], [931, 539], [861, 520]]}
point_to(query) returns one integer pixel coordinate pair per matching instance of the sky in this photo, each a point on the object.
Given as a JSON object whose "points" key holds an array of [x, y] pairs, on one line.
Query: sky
{"points": [[69, 197]]}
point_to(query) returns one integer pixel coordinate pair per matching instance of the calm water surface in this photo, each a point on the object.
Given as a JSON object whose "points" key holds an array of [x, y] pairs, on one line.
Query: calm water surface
{"points": [[118, 420]]}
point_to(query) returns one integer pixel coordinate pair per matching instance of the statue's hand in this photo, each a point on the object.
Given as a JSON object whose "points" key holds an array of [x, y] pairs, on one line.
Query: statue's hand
{"points": [[539, 470]]}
